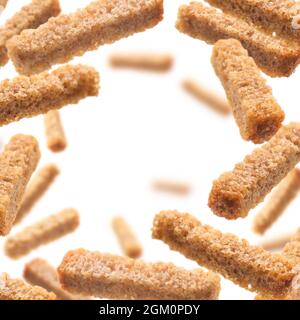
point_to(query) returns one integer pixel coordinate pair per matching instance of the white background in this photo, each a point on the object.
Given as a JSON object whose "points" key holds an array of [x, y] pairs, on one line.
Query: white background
{"points": [[143, 126]]}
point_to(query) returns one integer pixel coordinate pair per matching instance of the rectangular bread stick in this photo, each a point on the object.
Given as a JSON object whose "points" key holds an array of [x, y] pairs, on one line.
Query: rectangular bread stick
{"points": [[56, 138], [171, 186], [17, 289], [43, 232], [108, 276], [256, 112], [274, 16], [29, 17], [39, 184], [291, 251], [248, 266], [276, 56], [142, 60], [207, 96], [39, 272], [17, 163], [25, 97], [127, 239], [283, 195], [67, 36], [235, 193], [276, 242]]}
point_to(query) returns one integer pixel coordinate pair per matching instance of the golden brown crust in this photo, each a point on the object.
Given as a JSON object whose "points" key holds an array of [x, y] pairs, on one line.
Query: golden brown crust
{"points": [[17, 163], [291, 251], [127, 239], [39, 184], [39, 272], [292, 248], [274, 16], [256, 112], [275, 56], [56, 138], [284, 194], [248, 266], [67, 36], [16, 289], [142, 60], [29, 17], [236, 192], [109, 276], [207, 96], [30, 96], [43, 232]]}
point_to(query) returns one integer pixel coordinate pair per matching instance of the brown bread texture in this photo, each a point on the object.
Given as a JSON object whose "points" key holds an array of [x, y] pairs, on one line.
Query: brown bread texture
{"points": [[291, 251], [17, 289], [114, 277], [17, 163], [256, 112], [284, 194], [43, 232], [56, 138], [250, 267], [292, 248], [69, 35], [24, 97], [275, 56], [39, 272], [234, 193], [274, 16], [29, 17], [127, 239], [36, 188]]}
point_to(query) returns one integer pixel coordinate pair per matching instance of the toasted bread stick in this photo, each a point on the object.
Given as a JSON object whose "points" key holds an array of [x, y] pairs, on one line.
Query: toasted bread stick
{"points": [[276, 242], [256, 112], [39, 184], [236, 192], [248, 266], [142, 60], [69, 35], [17, 289], [25, 97], [127, 239], [17, 163], [56, 138], [291, 251], [43, 232], [107, 276], [171, 186], [276, 56], [274, 16], [29, 17], [207, 96], [39, 272], [283, 195]]}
